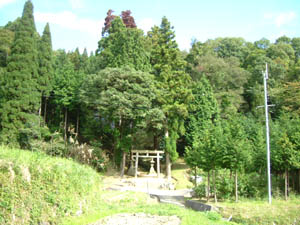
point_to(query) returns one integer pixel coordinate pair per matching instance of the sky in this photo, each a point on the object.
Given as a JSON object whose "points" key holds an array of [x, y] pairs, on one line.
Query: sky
{"points": [[78, 23]]}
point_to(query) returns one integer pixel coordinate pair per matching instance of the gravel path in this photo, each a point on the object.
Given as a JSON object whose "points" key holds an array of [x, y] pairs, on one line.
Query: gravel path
{"points": [[148, 185], [138, 219]]}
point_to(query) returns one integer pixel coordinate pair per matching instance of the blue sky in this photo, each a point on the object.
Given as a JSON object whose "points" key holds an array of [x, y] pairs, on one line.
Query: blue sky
{"points": [[78, 23]]}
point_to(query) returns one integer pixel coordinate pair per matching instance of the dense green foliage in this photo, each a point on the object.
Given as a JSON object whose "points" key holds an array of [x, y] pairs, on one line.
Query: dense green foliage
{"points": [[45, 62], [172, 83], [121, 99], [123, 46], [140, 91], [20, 83]]}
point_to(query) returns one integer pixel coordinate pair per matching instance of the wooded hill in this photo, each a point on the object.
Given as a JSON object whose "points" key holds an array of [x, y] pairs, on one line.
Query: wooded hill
{"points": [[140, 91]]}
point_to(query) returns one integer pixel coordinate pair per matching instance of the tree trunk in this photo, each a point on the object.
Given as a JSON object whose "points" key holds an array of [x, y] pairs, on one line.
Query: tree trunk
{"points": [[195, 176], [77, 124], [286, 184], [155, 142], [39, 117], [123, 164], [45, 110], [299, 180], [122, 167], [114, 153], [65, 127], [168, 161], [40, 112], [215, 191], [293, 180], [236, 186], [208, 186], [168, 166], [40, 109]]}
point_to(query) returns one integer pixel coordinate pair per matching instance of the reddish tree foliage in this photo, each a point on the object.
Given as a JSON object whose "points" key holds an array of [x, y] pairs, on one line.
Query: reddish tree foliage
{"points": [[109, 18], [128, 20]]}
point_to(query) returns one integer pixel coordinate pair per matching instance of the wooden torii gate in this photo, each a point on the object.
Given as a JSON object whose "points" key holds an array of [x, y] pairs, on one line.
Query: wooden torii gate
{"points": [[152, 154]]}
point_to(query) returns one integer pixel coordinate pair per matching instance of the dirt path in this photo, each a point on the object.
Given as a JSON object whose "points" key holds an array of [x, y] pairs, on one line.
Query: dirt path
{"points": [[138, 219], [145, 184]]}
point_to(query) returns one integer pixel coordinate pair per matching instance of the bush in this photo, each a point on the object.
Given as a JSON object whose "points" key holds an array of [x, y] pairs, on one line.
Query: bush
{"points": [[200, 190], [250, 185], [51, 143], [214, 216], [89, 155], [224, 185]]}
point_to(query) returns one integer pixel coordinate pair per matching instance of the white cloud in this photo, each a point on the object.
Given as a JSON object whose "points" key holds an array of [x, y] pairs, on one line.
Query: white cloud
{"points": [[5, 2], [146, 24], [69, 20], [76, 4], [284, 18], [281, 18]]}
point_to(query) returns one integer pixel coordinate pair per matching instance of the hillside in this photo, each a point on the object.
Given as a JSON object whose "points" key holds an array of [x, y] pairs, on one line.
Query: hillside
{"points": [[39, 189], [36, 188]]}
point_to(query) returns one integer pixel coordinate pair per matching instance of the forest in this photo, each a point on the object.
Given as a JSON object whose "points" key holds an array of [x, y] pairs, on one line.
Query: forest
{"points": [[140, 91]]}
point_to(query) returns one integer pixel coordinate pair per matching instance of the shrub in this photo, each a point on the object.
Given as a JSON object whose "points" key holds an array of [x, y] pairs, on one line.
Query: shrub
{"points": [[251, 185], [89, 155], [224, 185], [200, 190], [52, 144]]}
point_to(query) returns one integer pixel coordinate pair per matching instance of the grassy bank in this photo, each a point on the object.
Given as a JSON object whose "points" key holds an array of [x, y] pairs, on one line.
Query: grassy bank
{"points": [[261, 212], [37, 189], [180, 174]]}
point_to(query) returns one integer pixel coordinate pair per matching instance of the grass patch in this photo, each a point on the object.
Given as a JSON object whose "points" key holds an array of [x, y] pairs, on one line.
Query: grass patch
{"points": [[36, 188], [113, 202], [260, 212], [180, 173]]}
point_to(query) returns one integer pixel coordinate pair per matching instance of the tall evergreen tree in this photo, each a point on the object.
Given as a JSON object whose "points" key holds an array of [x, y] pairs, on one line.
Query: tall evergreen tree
{"points": [[203, 109], [172, 83], [75, 58], [21, 96], [285, 154], [46, 71], [203, 130], [65, 87], [84, 61], [123, 47], [236, 147]]}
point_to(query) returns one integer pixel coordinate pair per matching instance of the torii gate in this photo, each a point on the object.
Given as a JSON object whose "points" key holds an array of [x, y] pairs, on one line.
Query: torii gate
{"points": [[152, 154]]}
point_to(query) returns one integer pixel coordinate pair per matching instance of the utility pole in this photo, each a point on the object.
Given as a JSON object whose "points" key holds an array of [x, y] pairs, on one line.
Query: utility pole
{"points": [[266, 76]]}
